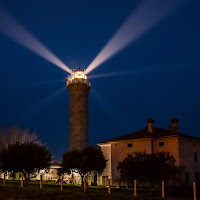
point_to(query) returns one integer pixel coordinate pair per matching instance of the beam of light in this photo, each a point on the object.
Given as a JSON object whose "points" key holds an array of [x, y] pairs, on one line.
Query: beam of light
{"points": [[37, 107], [156, 68], [147, 15], [41, 83], [33, 84], [104, 75], [120, 73], [16, 32], [105, 105], [47, 82]]}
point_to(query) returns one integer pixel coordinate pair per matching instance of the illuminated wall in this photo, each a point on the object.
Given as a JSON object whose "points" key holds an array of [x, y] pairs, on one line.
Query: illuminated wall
{"points": [[183, 149]]}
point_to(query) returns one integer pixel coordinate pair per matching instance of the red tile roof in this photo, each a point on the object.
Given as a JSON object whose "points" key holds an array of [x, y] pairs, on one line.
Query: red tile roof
{"points": [[158, 132]]}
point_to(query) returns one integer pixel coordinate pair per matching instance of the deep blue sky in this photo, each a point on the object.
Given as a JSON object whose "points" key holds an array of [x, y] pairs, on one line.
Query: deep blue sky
{"points": [[166, 61]]}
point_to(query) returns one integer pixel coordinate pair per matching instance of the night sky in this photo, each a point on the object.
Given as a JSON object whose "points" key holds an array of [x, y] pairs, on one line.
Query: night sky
{"points": [[158, 73]]}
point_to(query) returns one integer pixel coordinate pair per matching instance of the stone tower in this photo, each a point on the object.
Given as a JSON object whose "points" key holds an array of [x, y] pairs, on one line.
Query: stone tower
{"points": [[79, 88]]}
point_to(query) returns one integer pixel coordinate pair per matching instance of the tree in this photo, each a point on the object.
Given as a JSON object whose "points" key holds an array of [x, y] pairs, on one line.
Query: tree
{"points": [[84, 161], [25, 158], [14, 135], [150, 168], [131, 168]]}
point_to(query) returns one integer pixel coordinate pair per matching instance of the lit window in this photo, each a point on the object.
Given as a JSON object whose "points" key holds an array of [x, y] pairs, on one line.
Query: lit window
{"points": [[161, 144], [130, 145], [195, 157]]}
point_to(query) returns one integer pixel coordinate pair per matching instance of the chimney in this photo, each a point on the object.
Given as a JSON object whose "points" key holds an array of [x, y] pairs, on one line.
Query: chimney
{"points": [[174, 125], [150, 125]]}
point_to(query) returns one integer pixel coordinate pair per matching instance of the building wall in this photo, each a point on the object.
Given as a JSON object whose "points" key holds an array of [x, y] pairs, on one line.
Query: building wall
{"points": [[182, 149], [103, 179], [120, 150], [52, 174], [170, 144], [187, 149]]}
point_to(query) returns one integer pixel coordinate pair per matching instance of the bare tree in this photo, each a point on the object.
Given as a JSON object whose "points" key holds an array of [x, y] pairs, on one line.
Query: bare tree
{"points": [[14, 135]]}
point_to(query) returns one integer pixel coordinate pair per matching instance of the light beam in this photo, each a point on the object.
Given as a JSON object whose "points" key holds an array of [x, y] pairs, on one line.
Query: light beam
{"points": [[42, 83], [104, 75], [155, 68], [105, 104], [37, 107], [16, 32], [146, 15], [33, 84], [120, 73]]}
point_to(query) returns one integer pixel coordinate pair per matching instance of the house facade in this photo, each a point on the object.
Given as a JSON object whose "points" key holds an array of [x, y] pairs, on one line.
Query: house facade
{"points": [[185, 149]]}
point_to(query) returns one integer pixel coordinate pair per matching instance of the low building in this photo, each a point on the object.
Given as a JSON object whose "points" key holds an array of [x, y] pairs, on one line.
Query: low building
{"points": [[50, 174], [185, 149]]}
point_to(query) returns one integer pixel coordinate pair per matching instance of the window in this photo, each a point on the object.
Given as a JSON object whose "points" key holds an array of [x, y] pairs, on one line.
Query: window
{"points": [[129, 155], [105, 180], [187, 178], [195, 157], [162, 156], [197, 177], [130, 145], [161, 144]]}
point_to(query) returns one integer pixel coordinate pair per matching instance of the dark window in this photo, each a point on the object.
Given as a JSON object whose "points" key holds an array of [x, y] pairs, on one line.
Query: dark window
{"points": [[187, 178], [195, 157], [95, 178], [129, 145], [197, 177], [162, 156], [161, 144], [129, 155]]}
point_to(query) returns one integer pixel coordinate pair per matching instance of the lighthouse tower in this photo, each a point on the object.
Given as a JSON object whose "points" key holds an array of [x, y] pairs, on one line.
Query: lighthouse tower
{"points": [[79, 88]]}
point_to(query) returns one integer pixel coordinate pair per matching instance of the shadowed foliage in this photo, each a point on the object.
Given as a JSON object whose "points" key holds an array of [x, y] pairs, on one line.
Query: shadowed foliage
{"points": [[150, 168], [25, 158], [84, 161]]}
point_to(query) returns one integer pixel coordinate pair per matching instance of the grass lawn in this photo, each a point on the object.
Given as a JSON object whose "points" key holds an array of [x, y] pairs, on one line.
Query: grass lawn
{"points": [[51, 191]]}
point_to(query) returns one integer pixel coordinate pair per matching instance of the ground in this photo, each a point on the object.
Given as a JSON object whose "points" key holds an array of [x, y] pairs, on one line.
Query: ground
{"points": [[51, 191]]}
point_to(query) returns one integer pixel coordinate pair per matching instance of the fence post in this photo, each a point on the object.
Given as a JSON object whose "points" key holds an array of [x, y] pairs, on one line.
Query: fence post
{"points": [[163, 189], [4, 178], [135, 192], [84, 184], [61, 182], [108, 186], [22, 180], [194, 191], [41, 181]]}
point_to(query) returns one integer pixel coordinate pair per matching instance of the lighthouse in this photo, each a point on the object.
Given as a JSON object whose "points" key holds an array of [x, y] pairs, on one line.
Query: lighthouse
{"points": [[79, 87]]}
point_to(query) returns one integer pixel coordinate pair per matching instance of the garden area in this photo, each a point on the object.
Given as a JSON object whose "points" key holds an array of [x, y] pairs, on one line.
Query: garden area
{"points": [[22, 155], [52, 191]]}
